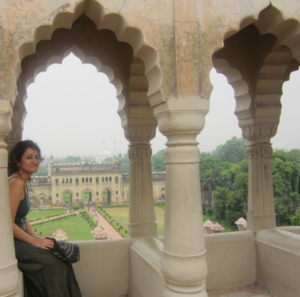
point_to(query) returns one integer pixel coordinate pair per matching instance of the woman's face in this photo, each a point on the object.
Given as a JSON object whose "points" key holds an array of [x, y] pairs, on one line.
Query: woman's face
{"points": [[30, 161]]}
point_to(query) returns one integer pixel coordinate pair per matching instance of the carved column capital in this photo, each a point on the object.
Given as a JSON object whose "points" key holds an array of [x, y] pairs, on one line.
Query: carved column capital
{"points": [[259, 130], [140, 132], [260, 151]]}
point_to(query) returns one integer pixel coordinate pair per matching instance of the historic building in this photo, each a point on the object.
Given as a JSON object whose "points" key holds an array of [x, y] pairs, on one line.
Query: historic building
{"points": [[158, 55], [76, 183]]}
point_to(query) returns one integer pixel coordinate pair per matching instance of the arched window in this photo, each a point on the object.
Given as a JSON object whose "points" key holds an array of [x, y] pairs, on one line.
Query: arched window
{"points": [[117, 179], [76, 194], [106, 179], [110, 178], [97, 193], [102, 179], [70, 180], [67, 180], [56, 194], [83, 179], [91, 179], [87, 179], [56, 181], [97, 180], [116, 192]]}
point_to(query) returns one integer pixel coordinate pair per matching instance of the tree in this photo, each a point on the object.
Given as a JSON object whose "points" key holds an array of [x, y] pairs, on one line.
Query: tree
{"points": [[220, 195], [158, 162], [296, 218], [234, 150], [234, 208], [282, 214]]}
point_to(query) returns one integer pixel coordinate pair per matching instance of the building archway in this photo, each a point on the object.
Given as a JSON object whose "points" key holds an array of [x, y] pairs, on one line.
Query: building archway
{"points": [[87, 196], [67, 197]]}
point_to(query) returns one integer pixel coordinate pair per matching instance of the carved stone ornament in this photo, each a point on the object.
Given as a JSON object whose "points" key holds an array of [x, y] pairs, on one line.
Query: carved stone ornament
{"points": [[257, 152], [139, 152], [15, 133], [267, 130], [140, 132]]}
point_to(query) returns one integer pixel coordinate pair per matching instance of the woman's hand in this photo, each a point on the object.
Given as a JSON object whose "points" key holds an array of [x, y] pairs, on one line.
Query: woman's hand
{"points": [[44, 243]]}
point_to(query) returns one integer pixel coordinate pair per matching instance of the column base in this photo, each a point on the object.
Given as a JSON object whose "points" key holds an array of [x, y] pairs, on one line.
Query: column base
{"points": [[260, 222], [176, 290]]}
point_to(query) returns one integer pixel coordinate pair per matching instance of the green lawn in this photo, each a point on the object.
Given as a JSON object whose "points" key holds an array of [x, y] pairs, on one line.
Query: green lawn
{"points": [[121, 215], [75, 227], [40, 213]]}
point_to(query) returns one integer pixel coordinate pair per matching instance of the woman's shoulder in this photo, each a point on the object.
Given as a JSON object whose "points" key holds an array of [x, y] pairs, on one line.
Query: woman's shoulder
{"points": [[16, 181]]}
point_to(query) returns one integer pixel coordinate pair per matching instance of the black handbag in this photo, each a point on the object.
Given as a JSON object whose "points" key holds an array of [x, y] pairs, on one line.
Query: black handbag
{"points": [[66, 251]]}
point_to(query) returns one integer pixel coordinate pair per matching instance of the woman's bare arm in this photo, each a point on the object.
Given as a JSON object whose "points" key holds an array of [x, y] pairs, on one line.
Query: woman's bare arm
{"points": [[29, 229], [16, 193]]}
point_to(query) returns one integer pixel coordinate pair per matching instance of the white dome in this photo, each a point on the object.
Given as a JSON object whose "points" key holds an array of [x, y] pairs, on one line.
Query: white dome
{"points": [[103, 155]]}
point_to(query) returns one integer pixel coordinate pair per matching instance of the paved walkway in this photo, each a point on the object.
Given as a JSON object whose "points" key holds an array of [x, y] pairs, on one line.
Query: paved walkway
{"points": [[108, 229]]}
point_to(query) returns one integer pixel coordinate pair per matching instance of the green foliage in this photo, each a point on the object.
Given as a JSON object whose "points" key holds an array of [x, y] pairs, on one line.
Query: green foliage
{"points": [[220, 195], [282, 213], [209, 211], [125, 164], [296, 218], [43, 170], [158, 162], [234, 208], [233, 151]]}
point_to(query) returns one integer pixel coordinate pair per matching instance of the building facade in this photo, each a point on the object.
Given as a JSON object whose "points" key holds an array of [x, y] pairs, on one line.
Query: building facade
{"points": [[77, 183]]}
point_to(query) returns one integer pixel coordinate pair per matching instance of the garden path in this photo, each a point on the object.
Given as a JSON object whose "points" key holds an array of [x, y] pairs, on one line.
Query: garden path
{"points": [[111, 232], [60, 216]]}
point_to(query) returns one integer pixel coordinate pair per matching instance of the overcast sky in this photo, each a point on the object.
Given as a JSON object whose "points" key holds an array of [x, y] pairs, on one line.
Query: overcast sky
{"points": [[72, 111]]}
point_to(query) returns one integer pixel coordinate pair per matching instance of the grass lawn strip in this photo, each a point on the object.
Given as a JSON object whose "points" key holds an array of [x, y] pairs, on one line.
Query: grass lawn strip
{"points": [[38, 214], [76, 228]]}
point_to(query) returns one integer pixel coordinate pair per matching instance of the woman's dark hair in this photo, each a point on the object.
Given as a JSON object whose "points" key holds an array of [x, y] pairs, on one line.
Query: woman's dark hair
{"points": [[17, 152]]}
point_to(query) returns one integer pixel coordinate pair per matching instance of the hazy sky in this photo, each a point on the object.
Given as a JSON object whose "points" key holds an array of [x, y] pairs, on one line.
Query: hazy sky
{"points": [[72, 110]]}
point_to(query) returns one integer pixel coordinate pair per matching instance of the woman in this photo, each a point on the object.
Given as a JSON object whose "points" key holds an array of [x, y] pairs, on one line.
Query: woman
{"points": [[44, 274]]}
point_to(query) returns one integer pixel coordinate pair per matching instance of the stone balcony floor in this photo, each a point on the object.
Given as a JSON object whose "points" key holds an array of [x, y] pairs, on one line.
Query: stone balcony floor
{"points": [[250, 291]]}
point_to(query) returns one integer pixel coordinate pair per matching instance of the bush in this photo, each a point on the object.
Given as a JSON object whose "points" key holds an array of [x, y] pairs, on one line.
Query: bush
{"points": [[209, 211]]}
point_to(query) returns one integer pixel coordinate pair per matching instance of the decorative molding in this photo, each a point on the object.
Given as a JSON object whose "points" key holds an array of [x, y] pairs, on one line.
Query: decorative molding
{"points": [[140, 152], [258, 152], [264, 130], [140, 132]]}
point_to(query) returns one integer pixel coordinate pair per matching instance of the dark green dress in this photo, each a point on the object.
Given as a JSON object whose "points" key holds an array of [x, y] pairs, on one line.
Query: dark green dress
{"points": [[44, 274]]}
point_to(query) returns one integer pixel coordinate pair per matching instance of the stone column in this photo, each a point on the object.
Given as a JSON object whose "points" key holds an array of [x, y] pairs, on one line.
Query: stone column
{"points": [[15, 134], [142, 220], [184, 265], [9, 278], [261, 212]]}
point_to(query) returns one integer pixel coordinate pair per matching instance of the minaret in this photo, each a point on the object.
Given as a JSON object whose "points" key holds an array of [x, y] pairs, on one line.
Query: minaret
{"points": [[50, 165]]}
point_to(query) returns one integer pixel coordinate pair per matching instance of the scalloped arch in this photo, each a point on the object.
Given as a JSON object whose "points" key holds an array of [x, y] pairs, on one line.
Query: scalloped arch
{"points": [[270, 20], [274, 71], [89, 60], [111, 21]]}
